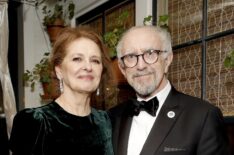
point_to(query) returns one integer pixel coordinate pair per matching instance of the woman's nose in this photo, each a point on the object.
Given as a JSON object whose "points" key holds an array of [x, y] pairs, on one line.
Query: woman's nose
{"points": [[87, 66]]}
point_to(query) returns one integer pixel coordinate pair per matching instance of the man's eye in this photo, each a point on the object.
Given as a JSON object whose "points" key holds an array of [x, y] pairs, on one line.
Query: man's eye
{"points": [[130, 56], [148, 53]]}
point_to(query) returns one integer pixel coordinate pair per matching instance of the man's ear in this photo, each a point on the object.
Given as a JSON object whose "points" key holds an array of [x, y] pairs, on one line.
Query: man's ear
{"points": [[58, 72], [168, 61], [121, 67]]}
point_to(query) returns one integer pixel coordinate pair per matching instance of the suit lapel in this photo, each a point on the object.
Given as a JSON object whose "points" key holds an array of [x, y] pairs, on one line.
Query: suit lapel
{"points": [[163, 124], [125, 126]]}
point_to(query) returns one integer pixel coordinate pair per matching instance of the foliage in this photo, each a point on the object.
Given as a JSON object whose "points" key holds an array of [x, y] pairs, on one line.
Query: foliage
{"points": [[61, 9], [162, 22], [112, 37], [147, 19], [40, 73], [229, 60]]}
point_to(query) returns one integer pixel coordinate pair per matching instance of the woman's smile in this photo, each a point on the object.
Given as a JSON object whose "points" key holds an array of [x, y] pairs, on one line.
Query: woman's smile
{"points": [[86, 77]]}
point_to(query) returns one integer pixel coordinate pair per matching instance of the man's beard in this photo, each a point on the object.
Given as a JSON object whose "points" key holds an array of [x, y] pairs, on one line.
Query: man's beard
{"points": [[143, 88]]}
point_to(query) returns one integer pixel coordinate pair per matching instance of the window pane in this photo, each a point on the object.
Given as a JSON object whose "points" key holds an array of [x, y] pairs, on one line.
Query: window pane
{"points": [[185, 71], [96, 24], [114, 13], [220, 16], [220, 80], [185, 20]]}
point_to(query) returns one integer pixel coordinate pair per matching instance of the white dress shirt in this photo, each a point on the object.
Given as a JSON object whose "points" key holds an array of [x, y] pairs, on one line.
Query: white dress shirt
{"points": [[142, 124]]}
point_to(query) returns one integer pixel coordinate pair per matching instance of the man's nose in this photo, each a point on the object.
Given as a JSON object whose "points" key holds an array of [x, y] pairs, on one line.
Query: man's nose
{"points": [[141, 64]]}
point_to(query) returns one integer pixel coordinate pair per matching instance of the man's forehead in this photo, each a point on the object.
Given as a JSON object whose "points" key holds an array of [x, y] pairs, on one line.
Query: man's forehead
{"points": [[141, 34], [141, 42], [141, 30]]}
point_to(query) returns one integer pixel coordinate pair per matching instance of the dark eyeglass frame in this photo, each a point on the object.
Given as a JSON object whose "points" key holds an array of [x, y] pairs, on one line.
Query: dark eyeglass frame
{"points": [[143, 57]]}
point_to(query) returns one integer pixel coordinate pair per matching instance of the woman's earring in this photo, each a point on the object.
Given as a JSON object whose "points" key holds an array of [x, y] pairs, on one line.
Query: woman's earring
{"points": [[61, 85], [98, 92]]}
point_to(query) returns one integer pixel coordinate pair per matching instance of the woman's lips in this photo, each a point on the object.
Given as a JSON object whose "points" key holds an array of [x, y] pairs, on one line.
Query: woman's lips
{"points": [[86, 77]]}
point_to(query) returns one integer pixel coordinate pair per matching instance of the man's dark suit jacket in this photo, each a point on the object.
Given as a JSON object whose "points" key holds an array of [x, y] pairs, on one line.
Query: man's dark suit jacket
{"points": [[196, 129]]}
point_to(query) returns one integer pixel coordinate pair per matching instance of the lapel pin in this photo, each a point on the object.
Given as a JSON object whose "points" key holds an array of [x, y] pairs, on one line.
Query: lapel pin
{"points": [[171, 114]]}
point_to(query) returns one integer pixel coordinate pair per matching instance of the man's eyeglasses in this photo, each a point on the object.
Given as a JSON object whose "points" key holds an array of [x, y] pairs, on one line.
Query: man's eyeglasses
{"points": [[149, 56]]}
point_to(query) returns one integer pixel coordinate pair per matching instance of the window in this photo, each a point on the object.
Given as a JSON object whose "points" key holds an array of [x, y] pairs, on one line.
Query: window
{"points": [[202, 35], [103, 18]]}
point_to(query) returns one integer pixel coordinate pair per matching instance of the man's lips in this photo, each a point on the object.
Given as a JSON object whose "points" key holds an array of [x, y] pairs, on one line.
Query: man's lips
{"points": [[141, 75]]}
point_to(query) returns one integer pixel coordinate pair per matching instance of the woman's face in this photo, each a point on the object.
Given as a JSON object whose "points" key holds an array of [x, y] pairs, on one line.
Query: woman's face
{"points": [[81, 68]]}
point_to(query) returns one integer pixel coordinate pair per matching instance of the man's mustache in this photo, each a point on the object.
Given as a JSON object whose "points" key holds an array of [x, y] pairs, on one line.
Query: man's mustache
{"points": [[141, 74]]}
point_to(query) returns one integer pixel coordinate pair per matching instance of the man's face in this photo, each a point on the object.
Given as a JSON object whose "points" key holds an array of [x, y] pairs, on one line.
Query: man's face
{"points": [[146, 79]]}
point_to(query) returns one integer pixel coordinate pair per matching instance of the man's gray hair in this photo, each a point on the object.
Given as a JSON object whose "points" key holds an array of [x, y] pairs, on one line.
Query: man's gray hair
{"points": [[164, 35]]}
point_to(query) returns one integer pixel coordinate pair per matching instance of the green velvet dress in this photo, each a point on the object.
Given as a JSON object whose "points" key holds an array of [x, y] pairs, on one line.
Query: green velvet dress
{"points": [[50, 130]]}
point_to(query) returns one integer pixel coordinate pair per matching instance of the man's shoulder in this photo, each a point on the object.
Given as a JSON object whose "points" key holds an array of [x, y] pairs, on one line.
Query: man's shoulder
{"points": [[119, 109], [195, 102]]}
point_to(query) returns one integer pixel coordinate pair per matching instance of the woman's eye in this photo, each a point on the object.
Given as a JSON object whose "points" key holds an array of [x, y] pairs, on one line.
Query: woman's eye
{"points": [[76, 59], [96, 61]]}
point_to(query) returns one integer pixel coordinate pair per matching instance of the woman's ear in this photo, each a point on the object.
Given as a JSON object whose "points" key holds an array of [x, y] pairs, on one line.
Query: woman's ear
{"points": [[58, 72], [168, 61]]}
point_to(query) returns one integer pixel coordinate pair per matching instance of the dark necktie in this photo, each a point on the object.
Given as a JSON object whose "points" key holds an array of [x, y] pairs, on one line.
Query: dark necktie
{"points": [[150, 106]]}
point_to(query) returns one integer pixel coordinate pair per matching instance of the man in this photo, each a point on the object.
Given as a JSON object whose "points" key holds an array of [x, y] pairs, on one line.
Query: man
{"points": [[182, 125]]}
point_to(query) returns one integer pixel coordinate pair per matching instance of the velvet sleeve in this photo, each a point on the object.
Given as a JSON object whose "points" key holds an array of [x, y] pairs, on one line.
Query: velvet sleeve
{"points": [[214, 140], [27, 127], [108, 131]]}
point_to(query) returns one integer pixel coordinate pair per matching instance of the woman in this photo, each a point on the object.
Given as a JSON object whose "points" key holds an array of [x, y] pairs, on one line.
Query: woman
{"points": [[69, 125]]}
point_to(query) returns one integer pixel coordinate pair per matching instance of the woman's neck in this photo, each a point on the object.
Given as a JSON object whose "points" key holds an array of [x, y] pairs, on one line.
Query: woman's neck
{"points": [[76, 104]]}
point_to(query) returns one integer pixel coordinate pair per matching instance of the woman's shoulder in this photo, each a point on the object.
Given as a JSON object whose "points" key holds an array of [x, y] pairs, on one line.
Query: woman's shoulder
{"points": [[98, 112], [35, 113], [27, 114], [100, 115], [101, 119]]}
